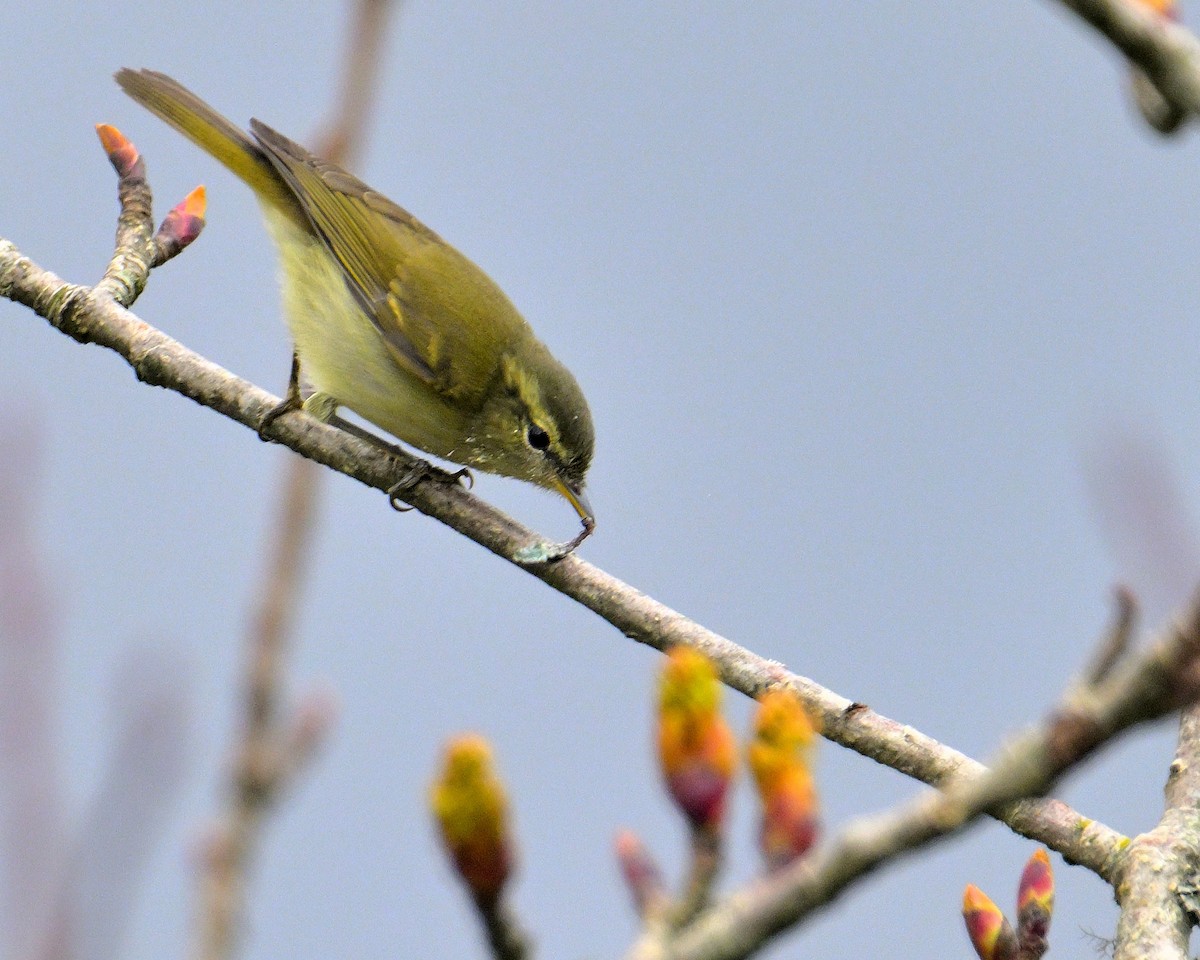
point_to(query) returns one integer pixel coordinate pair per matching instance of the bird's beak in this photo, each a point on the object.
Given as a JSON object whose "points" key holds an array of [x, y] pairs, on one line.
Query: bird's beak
{"points": [[577, 499], [552, 553]]}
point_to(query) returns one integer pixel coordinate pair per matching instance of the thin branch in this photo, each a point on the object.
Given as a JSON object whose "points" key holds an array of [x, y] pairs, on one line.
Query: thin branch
{"points": [[1167, 55], [33, 830], [505, 935], [125, 819], [1143, 688], [1116, 644], [270, 749], [73, 895], [704, 864], [360, 75], [1144, 508], [91, 317]]}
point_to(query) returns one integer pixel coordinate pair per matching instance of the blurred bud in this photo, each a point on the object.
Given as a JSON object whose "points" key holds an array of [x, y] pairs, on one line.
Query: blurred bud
{"points": [[783, 735], [695, 747], [991, 934], [471, 810], [790, 818], [779, 758], [641, 872], [1035, 904]]}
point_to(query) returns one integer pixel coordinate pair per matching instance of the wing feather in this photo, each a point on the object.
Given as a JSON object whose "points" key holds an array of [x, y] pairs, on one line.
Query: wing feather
{"points": [[360, 228]]}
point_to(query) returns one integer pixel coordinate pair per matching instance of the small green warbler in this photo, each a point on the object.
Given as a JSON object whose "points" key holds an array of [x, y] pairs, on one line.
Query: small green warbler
{"points": [[391, 321]]}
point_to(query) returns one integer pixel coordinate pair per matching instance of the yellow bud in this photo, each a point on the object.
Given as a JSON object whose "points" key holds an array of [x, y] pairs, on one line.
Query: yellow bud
{"points": [[696, 749], [778, 757], [783, 735], [471, 810]]}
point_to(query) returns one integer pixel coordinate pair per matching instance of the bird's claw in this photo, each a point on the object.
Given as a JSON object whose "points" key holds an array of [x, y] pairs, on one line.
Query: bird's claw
{"points": [[284, 406], [424, 470]]}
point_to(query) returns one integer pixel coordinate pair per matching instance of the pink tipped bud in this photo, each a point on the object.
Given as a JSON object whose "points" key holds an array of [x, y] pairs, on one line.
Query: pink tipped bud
{"points": [[790, 820], [122, 154], [696, 749], [1035, 904], [181, 226], [640, 870]]}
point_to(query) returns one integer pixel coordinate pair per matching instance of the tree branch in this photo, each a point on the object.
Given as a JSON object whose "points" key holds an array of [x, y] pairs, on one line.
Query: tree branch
{"points": [[1156, 885], [157, 359], [1165, 53]]}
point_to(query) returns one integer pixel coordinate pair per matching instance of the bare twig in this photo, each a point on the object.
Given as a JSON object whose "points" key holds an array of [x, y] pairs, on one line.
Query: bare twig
{"points": [[1166, 55], [127, 816], [705, 862], [32, 824], [1116, 643], [1144, 511], [73, 896], [1144, 508], [505, 935], [270, 749], [360, 73]]}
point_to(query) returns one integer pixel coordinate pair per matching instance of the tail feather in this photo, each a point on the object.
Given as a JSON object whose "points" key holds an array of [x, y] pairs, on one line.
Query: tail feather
{"points": [[210, 131]]}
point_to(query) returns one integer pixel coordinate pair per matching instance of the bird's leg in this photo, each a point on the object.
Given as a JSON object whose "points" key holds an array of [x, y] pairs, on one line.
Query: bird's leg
{"points": [[323, 407], [290, 402], [424, 470], [420, 469]]}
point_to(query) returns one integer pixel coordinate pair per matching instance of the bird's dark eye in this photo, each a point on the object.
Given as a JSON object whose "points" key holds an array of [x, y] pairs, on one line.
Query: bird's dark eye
{"points": [[539, 439]]}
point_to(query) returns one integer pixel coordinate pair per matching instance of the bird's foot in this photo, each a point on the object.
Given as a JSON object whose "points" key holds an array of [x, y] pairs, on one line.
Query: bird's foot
{"points": [[420, 471], [284, 406]]}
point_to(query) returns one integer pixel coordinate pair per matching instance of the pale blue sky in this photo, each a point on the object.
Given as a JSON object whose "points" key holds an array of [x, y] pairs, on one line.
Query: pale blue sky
{"points": [[852, 288]]}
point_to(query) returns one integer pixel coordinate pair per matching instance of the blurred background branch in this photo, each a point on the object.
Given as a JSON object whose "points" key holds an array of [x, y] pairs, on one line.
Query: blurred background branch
{"points": [[1165, 56], [272, 747], [68, 888]]}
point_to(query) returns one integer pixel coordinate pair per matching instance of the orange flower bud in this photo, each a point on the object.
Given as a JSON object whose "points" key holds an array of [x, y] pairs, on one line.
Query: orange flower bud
{"points": [[790, 819], [779, 759], [471, 810], [122, 154], [695, 746], [991, 934], [783, 736], [182, 225]]}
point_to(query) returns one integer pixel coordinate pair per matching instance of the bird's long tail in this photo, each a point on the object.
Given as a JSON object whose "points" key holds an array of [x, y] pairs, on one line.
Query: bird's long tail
{"points": [[201, 124]]}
